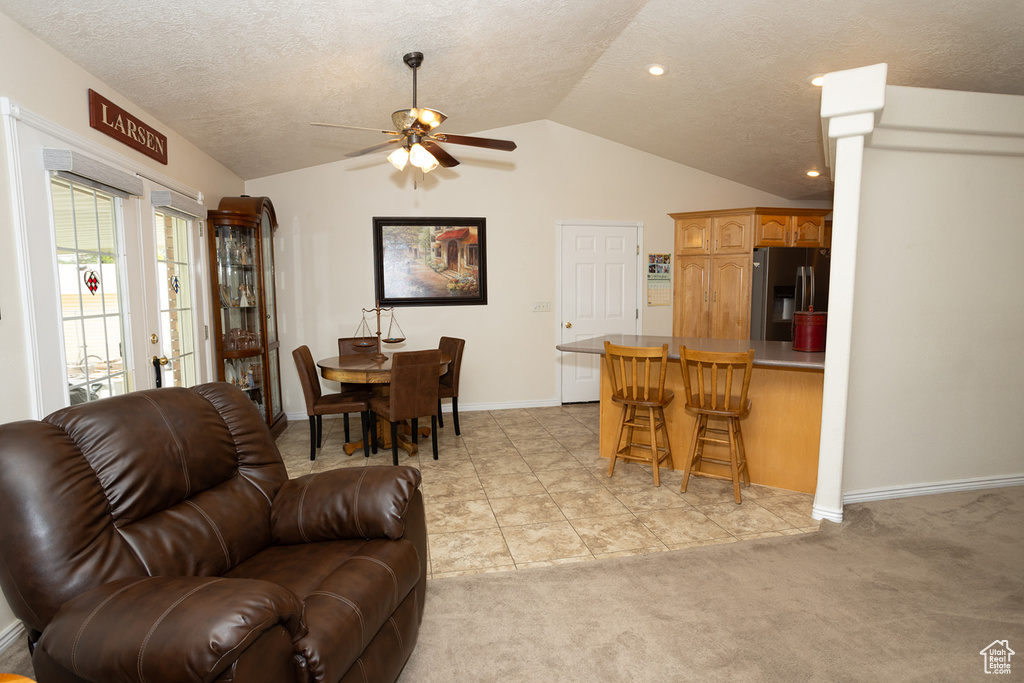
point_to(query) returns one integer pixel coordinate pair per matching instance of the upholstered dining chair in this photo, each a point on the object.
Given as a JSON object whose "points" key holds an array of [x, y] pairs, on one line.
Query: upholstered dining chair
{"points": [[448, 385], [319, 404], [413, 394], [348, 346]]}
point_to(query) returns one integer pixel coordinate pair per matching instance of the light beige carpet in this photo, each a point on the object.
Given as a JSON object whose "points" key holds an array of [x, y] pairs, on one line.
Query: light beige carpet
{"points": [[902, 590]]}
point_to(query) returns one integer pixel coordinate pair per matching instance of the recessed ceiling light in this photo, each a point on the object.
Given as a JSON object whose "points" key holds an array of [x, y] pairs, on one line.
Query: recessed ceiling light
{"points": [[655, 69], [817, 79], [813, 174]]}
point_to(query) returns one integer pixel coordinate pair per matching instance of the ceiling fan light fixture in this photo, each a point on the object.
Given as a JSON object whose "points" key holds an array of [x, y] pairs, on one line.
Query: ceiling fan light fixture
{"points": [[422, 159], [430, 118], [399, 158]]}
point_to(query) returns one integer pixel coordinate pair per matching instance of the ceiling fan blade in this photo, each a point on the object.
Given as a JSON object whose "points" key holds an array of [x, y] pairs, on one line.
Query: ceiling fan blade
{"points": [[443, 157], [487, 143], [374, 148], [338, 125]]}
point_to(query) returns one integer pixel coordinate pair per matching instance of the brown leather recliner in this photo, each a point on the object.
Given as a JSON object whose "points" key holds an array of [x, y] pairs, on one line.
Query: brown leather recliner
{"points": [[156, 537]]}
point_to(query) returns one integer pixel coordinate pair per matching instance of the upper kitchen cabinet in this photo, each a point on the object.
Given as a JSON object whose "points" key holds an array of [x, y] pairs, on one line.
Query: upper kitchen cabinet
{"points": [[245, 325], [712, 233], [790, 227]]}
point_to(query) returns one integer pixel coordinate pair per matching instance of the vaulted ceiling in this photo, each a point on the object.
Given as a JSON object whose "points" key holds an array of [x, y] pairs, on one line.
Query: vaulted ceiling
{"points": [[242, 79]]}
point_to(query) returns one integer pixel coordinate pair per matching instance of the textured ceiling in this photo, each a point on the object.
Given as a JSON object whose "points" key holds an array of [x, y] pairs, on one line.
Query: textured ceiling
{"points": [[242, 79]]}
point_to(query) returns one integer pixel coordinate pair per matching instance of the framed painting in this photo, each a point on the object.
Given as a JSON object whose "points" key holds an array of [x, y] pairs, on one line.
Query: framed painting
{"points": [[430, 261]]}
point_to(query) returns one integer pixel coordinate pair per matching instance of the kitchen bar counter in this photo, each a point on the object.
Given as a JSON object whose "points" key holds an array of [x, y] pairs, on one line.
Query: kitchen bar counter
{"points": [[767, 354], [782, 432]]}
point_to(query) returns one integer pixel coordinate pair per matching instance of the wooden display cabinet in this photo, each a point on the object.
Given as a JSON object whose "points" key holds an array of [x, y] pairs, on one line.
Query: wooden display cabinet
{"points": [[245, 326]]}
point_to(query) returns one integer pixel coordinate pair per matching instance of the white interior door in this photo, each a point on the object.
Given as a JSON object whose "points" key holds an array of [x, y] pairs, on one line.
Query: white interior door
{"points": [[599, 294]]}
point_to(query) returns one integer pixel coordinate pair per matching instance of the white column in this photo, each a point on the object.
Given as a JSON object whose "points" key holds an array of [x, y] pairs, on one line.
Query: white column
{"points": [[850, 103]]}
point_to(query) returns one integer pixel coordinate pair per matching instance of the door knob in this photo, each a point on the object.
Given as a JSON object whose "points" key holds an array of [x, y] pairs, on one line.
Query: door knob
{"points": [[568, 325], [162, 360]]}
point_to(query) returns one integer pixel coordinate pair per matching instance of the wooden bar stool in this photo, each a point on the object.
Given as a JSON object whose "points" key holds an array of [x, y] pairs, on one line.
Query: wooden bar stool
{"points": [[714, 397], [637, 376]]}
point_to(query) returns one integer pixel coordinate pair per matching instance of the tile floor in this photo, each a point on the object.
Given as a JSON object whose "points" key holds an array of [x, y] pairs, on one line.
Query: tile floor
{"points": [[526, 487]]}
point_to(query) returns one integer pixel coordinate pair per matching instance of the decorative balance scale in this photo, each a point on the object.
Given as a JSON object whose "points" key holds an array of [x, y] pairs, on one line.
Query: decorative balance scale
{"points": [[364, 334]]}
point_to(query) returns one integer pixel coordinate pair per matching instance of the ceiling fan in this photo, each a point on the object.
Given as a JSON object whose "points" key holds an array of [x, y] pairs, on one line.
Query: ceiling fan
{"points": [[415, 137]]}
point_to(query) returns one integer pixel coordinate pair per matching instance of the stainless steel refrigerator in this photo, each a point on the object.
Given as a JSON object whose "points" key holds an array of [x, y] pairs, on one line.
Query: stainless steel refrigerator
{"points": [[786, 280]]}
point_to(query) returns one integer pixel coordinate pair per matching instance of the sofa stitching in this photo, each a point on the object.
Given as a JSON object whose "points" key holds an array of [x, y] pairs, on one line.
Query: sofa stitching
{"points": [[390, 571], [88, 619], [362, 669], [355, 608], [398, 634], [216, 531], [177, 443], [262, 626], [160, 619], [355, 503], [302, 500]]}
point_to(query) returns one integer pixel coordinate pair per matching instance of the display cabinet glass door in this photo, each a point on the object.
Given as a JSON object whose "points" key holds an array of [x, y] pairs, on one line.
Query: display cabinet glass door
{"points": [[267, 262], [240, 325]]}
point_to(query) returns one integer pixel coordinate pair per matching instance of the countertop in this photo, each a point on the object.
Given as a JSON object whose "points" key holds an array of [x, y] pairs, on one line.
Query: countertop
{"points": [[768, 354]]}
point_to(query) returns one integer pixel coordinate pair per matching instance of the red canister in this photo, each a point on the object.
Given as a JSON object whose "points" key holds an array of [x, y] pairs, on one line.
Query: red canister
{"points": [[809, 330]]}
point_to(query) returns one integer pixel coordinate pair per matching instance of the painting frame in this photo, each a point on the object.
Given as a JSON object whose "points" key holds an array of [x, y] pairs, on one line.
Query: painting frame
{"points": [[431, 261]]}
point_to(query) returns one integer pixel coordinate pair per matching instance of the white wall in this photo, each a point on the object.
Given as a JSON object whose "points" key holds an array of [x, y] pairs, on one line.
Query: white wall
{"points": [[324, 246], [40, 80], [936, 370], [930, 192]]}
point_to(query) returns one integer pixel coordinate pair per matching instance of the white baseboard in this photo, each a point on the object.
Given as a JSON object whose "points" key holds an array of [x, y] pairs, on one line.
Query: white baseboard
{"points": [[827, 513], [974, 484], [15, 633]]}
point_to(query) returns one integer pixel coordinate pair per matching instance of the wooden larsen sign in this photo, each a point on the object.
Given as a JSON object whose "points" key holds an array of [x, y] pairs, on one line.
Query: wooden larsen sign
{"points": [[108, 118]]}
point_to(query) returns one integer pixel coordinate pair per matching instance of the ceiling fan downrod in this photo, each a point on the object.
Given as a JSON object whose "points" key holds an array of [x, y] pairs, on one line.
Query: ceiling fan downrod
{"points": [[413, 60]]}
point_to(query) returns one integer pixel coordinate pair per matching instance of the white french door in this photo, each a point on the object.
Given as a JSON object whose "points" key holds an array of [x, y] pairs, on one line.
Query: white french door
{"points": [[163, 282], [598, 295], [109, 280]]}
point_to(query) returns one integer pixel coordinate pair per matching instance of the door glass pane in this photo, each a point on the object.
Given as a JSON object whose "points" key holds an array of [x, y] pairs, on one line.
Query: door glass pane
{"points": [[85, 225], [174, 284]]}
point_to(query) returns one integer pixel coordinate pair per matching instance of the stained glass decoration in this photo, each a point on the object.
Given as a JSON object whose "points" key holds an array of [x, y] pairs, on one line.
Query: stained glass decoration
{"points": [[92, 281], [175, 285]]}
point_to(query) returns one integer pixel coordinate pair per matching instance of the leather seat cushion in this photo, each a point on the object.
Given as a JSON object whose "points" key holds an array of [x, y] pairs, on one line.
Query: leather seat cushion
{"points": [[349, 590]]}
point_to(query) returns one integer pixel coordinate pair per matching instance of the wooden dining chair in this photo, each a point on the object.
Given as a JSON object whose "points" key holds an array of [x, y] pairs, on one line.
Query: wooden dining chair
{"points": [[716, 386], [413, 394], [448, 385], [637, 375], [318, 404], [350, 346]]}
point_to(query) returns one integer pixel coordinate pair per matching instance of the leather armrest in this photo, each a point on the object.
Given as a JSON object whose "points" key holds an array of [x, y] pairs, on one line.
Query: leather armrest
{"points": [[162, 629], [347, 503]]}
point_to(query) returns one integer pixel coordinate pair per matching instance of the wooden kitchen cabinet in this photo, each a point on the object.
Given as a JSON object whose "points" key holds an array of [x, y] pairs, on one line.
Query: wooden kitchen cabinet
{"points": [[691, 296], [712, 282], [790, 227], [714, 264], [729, 313]]}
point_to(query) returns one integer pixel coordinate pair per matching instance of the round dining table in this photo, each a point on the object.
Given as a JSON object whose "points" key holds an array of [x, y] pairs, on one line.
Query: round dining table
{"points": [[367, 368]]}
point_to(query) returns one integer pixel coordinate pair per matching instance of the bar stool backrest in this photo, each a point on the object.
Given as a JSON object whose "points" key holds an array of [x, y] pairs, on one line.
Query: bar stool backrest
{"points": [[710, 379], [637, 373]]}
